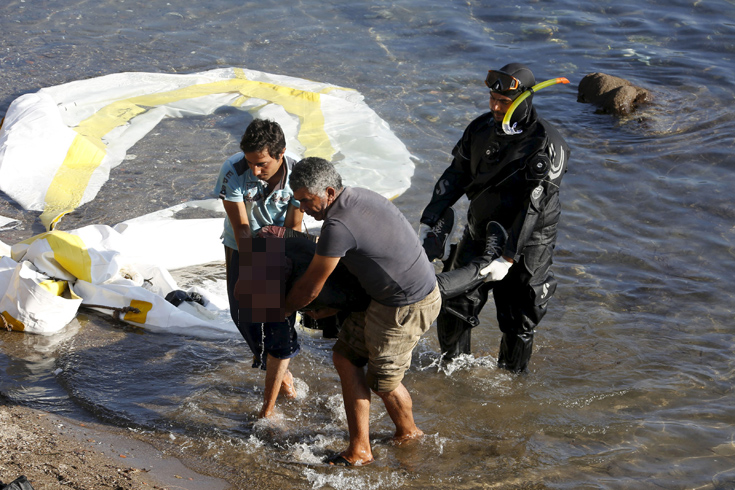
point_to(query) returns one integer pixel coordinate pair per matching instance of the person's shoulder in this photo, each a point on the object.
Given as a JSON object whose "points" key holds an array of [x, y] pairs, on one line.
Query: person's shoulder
{"points": [[363, 194], [480, 126], [550, 131], [290, 159], [237, 164], [351, 199], [227, 164], [233, 159], [351, 190], [333, 229]]}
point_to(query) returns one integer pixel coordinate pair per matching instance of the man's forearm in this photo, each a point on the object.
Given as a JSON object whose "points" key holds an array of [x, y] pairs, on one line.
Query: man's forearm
{"points": [[307, 287], [299, 296]]}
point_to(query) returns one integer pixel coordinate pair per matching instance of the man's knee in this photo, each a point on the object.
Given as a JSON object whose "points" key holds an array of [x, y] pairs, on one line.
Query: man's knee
{"points": [[384, 395], [340, 361], [518, 322], [382, 383], [344, 353]]}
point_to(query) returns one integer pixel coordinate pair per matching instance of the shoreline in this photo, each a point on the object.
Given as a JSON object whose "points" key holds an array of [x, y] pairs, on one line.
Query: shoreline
{"points": [[55, 452]]}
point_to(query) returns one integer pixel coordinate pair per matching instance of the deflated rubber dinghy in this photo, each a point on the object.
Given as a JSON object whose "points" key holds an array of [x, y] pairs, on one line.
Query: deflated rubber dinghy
{"points": [[45, 279], [57, 147]]}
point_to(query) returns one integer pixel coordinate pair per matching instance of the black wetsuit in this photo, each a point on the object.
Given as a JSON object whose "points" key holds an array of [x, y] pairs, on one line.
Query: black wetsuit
{"points": [[513, 180]]}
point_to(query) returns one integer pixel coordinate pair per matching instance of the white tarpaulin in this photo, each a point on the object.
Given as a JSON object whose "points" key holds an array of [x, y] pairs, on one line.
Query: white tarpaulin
{"points": [[36, 303], [47, 277], [57, 145], [8, 223], [155, 237]]}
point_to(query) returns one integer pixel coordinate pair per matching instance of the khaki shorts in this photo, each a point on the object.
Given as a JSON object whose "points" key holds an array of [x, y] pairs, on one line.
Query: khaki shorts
{"points": [[383, 337]]}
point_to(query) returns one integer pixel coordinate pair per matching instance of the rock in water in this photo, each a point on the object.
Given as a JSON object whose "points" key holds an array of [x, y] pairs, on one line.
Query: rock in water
{"points": [[613, 95]]}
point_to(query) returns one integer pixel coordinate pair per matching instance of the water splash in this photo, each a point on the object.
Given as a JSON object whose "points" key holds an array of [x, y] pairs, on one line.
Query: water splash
{"points": [[349, 479], [463, 362], [336, 406], [437, 440], [302, 389], [314, 450]]}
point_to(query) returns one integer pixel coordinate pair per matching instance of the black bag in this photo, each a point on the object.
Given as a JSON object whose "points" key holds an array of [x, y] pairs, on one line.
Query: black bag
{"points": [[342, 290], [20, 483]]}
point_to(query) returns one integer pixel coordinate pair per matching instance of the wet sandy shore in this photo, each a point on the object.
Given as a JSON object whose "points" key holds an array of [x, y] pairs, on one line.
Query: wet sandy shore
{"points": [[57, 453]]}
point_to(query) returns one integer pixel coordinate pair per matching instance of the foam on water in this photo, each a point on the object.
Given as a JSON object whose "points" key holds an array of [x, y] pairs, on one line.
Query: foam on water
{"points": [[350, 479]]}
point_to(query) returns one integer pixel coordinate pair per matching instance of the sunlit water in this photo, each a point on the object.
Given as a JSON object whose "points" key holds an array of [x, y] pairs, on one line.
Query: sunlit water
{"points": [[631, 384]]}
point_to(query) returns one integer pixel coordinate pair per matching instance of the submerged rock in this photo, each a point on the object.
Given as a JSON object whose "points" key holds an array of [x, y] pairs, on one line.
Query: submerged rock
{"points": [[613, 95]]}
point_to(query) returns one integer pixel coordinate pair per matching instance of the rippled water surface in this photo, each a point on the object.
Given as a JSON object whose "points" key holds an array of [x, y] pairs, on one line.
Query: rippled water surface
{"points": [[631, 384]]}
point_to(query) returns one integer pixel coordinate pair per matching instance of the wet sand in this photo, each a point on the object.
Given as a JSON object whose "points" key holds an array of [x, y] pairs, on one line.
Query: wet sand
{"points": [[58, 453]]}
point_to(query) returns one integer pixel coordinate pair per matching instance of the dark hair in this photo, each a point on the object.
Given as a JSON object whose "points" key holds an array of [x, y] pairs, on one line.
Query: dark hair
{"points": [[315, 174], [262, 134]]}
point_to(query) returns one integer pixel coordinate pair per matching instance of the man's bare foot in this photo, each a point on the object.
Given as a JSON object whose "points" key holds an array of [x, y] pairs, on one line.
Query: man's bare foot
{"points": [[341, 460], [399, 440], [287, 386]]}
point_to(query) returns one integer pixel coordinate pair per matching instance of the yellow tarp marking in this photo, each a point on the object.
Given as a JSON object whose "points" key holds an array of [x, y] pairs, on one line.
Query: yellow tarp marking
{"points": [[69, 251], [67, 188], [144, 308], [88, 150], [15, 324], [54, 287]]}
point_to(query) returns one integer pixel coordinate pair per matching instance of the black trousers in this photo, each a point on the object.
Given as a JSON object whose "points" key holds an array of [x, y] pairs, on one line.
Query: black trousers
{"points": [[520, 300]]}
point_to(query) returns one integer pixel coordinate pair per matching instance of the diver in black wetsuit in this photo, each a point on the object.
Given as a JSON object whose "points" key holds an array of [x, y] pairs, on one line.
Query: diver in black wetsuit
{"points": [[512, 182]]}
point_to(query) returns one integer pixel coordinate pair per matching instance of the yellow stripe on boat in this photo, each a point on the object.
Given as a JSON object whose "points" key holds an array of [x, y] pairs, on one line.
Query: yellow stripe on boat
{"points": [[88, 150]]}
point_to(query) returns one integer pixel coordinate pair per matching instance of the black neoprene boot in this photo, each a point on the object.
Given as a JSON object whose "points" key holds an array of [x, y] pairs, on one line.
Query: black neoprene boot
{"points": [[515, 351], [454, 335]]}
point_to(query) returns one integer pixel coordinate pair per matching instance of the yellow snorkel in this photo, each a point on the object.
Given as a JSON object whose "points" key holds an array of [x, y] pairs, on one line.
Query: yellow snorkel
{"points": [[506, 120]]}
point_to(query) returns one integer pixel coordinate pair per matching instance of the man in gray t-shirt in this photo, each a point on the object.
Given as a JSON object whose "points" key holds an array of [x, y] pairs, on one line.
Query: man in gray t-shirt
{"points": [[378, 245]]}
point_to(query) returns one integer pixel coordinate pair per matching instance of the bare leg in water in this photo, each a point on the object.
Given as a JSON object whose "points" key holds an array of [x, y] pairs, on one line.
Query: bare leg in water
{"points": [[288, 389], [400, 409], [356, 395], [278, 379]]}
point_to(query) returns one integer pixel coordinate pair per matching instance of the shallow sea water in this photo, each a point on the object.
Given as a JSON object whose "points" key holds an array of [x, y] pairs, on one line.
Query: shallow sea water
{"points": [[631, 384]]}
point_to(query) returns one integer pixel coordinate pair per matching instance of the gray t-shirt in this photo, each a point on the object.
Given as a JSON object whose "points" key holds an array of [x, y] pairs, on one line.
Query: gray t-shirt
{"points": [[378, 245]]}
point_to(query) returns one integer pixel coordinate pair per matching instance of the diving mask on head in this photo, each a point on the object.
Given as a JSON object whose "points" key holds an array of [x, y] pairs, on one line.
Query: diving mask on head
{"points": [[511, 81], [499, 81]]}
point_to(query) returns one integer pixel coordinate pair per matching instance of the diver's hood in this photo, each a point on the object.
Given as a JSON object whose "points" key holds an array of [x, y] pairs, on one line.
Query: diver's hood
{"points": [[524, 115]]}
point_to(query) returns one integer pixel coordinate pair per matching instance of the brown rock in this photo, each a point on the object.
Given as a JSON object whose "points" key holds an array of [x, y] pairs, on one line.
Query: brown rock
{"points": [[613, 95]]}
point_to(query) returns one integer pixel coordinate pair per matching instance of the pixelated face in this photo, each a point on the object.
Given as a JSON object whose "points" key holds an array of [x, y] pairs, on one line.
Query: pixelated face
{"points": [[499, 105], [262, 280], [313, 204], [262, 164]]}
